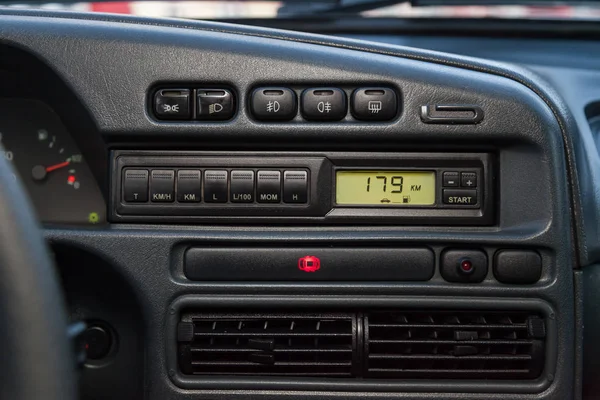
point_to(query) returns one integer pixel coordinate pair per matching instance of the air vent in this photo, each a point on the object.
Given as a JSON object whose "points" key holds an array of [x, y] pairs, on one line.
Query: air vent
{"points": [[274, 344], [454, 345]]}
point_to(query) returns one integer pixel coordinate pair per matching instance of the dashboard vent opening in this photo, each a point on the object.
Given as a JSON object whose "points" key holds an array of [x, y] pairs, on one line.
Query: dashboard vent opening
{"points": [[454, 345], [311, 345]]}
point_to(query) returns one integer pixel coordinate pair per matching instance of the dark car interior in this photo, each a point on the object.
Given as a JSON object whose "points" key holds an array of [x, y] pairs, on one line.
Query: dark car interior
{"points": [[298, 208]]}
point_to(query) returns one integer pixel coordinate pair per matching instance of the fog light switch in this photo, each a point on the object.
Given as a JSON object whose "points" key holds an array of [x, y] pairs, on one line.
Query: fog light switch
{"points": [[324, 104]]}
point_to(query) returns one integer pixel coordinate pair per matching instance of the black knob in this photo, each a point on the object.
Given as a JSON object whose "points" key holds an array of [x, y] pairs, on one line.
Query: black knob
{"points": [[466, 267], [98, 342]]}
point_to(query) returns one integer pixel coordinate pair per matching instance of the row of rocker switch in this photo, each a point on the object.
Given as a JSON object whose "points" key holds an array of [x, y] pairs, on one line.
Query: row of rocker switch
{"points": [[215, 186]]}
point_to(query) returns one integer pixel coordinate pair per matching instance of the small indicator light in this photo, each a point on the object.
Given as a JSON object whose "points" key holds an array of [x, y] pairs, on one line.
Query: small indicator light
{"points": [[466, 266], [309, 264], [93, 218]]}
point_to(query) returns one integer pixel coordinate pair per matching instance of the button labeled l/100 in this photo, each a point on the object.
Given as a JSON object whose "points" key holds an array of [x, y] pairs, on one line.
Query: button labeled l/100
{"points": [[242, 186]]}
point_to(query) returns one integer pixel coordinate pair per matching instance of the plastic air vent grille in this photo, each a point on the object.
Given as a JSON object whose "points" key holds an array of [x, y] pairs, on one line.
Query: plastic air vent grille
{"points": [[273, 344], [454, 345]]}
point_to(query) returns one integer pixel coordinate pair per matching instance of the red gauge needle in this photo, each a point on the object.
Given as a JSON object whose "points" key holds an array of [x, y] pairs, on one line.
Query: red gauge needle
{"points": [[57, 166]]}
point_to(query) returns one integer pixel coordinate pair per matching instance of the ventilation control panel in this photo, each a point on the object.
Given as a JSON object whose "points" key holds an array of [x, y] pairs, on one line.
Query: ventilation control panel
{"points": [[372, 344], [387, 188]]}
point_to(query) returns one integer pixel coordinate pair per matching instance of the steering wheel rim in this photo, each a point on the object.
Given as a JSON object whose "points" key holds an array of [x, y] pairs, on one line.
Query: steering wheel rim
{"points": [[37, 360]]}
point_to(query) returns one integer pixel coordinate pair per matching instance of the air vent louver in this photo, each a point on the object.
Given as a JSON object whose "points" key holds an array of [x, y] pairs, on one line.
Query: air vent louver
{"points": [[453, 345], [272, 344]]}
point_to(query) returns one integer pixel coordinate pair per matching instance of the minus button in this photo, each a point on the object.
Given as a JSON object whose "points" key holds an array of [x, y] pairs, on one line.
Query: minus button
{"points": [[450, 179]]}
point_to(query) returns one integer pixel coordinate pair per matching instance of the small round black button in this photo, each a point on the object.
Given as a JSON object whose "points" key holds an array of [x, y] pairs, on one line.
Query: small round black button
{"points": [[98, 342], [463, 265], [466, 267]]}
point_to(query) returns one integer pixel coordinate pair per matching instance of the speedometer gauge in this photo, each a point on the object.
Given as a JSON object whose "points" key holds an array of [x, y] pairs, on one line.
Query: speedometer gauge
{"points": [[68, 161], [49, 163]]}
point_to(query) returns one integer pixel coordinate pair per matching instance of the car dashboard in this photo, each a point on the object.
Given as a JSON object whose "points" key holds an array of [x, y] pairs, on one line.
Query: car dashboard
{"points": [[247, 213]]}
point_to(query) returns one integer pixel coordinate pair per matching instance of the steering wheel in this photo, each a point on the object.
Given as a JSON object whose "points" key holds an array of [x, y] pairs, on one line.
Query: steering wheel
{"points": [[36, 359]]}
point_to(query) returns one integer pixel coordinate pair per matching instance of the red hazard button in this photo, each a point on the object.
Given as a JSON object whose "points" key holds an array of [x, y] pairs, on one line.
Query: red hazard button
{"points": [[309, 263]]}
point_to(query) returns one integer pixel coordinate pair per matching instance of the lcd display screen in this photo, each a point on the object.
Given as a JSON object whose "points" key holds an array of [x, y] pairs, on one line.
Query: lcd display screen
{"points": [[385, 188]]}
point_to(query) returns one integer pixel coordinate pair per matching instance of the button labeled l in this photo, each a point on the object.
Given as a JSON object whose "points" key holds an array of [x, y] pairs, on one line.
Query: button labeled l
{"points": [[215, 186]]}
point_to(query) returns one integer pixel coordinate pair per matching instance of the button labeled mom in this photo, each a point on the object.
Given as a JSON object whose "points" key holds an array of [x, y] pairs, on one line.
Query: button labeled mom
{"points": [[268, 186]]}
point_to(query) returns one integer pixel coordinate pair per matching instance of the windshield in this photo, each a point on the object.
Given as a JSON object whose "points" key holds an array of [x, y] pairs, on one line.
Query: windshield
{"points": [[264, 9]]}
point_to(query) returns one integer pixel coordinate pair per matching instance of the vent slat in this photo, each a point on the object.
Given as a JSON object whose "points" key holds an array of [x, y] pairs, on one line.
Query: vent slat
{"points": [[444, 326], [442, 357], [329, 373], [271, 334], [452, 345], [279, 364], [453, 371], [276, 345], [454, 342], [288, 350]]}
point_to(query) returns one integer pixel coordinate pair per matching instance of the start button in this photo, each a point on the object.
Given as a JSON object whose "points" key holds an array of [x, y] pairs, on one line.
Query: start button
{"points": [[460, 197]]}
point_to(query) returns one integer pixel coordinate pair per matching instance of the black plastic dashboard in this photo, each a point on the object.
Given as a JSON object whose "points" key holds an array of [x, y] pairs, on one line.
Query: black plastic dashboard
{"points": [[148, 271]]}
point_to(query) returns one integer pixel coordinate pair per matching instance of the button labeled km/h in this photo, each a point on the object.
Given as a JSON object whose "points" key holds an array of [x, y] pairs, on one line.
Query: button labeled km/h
{"points": [[268, 186], [162, 186]]}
